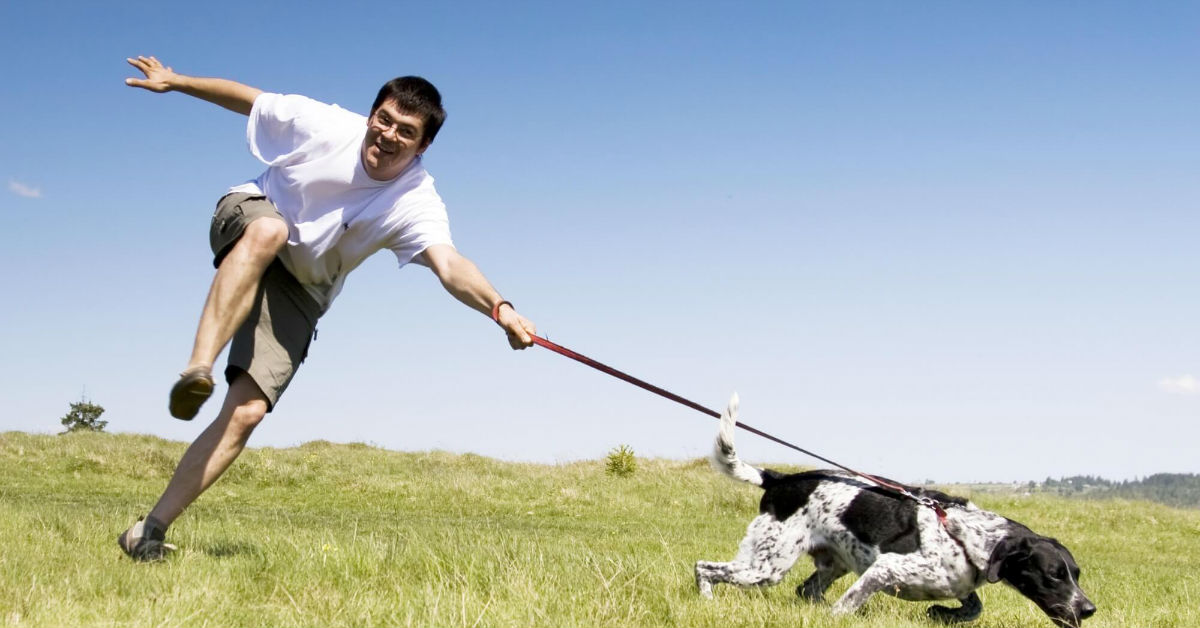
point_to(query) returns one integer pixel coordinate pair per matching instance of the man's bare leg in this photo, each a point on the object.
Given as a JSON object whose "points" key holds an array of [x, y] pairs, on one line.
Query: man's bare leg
{"points": [[214, 450], [234, 287], [230, 299], [207, 458]]}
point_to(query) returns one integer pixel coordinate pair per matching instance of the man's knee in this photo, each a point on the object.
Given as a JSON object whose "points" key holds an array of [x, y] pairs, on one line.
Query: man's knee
{"points": [[247, 416], [265, 235]]}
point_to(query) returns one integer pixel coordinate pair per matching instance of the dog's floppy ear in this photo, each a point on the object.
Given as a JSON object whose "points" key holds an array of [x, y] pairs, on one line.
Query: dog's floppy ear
{"points": [[1010, 547]]}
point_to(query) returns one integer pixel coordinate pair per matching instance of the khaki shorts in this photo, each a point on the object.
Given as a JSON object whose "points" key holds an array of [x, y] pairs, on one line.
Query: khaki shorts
{"points": [[273, 341]]}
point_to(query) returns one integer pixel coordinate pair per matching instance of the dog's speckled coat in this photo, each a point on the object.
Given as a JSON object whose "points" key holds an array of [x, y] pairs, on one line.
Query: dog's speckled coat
{"points": [[895, 545]]}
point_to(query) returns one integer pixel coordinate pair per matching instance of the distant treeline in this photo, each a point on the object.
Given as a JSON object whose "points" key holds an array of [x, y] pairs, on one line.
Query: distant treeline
{"points": [[1173, 489]]}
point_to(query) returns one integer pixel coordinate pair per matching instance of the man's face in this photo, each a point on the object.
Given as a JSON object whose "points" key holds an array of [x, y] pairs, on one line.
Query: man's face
{"points": [[393, 140]]}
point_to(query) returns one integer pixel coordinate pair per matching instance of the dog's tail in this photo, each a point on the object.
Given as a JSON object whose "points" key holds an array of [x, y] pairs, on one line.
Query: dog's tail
{"points": [[724, 458]]}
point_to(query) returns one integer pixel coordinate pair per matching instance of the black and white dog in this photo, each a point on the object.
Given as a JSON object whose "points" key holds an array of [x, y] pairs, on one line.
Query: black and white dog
{"points": [[895, 544]]}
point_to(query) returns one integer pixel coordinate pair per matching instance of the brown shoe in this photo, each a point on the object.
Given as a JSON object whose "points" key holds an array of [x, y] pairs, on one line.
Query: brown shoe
{"points": [[194, 387]]}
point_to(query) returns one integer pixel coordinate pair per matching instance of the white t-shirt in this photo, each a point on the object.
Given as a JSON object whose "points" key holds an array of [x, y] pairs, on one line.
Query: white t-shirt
{"points": [[337, 216]]}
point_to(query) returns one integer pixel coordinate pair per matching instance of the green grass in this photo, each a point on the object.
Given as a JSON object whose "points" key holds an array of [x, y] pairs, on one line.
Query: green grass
{"points": [[351, 535]]}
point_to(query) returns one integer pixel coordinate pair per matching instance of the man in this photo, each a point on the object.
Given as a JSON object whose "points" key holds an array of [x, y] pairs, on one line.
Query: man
{"points": [[338, 188]]}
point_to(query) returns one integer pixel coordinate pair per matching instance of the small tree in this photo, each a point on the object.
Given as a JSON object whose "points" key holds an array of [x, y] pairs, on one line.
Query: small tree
{"points": [[84, 416], [621, 462]]}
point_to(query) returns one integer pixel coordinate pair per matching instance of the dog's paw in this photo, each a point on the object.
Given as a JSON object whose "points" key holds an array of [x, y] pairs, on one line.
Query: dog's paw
{"points": [[810, 594], [971, 609], [940, 614], [947, 615]]}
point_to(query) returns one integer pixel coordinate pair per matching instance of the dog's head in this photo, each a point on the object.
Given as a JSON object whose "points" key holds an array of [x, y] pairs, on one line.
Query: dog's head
{"points": [[1045, 572]]}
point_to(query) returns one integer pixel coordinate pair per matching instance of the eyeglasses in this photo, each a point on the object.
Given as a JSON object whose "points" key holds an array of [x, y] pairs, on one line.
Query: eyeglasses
{"points": [[383, 123]]}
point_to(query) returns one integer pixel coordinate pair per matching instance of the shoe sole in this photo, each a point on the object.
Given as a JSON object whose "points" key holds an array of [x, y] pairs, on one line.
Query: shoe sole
{"points": [[189, 393]]}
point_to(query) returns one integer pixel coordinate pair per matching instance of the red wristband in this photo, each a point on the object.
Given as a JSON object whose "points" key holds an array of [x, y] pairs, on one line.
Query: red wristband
{"points": [[496, 310]]}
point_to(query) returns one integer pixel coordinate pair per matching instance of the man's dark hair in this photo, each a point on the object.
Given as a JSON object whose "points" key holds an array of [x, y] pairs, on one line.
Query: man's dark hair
{"points": [[415, 96]]}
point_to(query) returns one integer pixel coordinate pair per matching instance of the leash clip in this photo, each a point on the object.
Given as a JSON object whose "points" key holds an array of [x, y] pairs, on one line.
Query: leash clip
{"points": [[935, 505]]}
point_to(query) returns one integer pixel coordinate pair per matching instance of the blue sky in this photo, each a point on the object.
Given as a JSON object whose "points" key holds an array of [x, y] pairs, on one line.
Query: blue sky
{"points": [[934, 240]]}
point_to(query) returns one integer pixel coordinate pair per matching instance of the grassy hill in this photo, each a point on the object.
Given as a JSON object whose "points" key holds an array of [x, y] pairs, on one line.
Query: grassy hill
{"points": [[351, 535]]}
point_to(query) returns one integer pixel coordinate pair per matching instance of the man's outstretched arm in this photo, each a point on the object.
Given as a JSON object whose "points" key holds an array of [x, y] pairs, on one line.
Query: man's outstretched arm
{"points": [[229, 94], [463, 279]]}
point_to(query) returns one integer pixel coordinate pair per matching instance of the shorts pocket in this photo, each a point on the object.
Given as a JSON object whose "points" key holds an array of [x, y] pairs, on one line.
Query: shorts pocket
{"points": [[225, 219]]}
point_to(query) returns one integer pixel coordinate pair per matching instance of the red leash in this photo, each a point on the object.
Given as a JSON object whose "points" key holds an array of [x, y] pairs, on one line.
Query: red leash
{"points": [[604, 368], [924, 501], [561, 350]]}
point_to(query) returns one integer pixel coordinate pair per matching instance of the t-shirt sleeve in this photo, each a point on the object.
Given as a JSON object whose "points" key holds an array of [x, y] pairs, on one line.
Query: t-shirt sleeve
{"points": [[283, 128], [429, 227]]}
